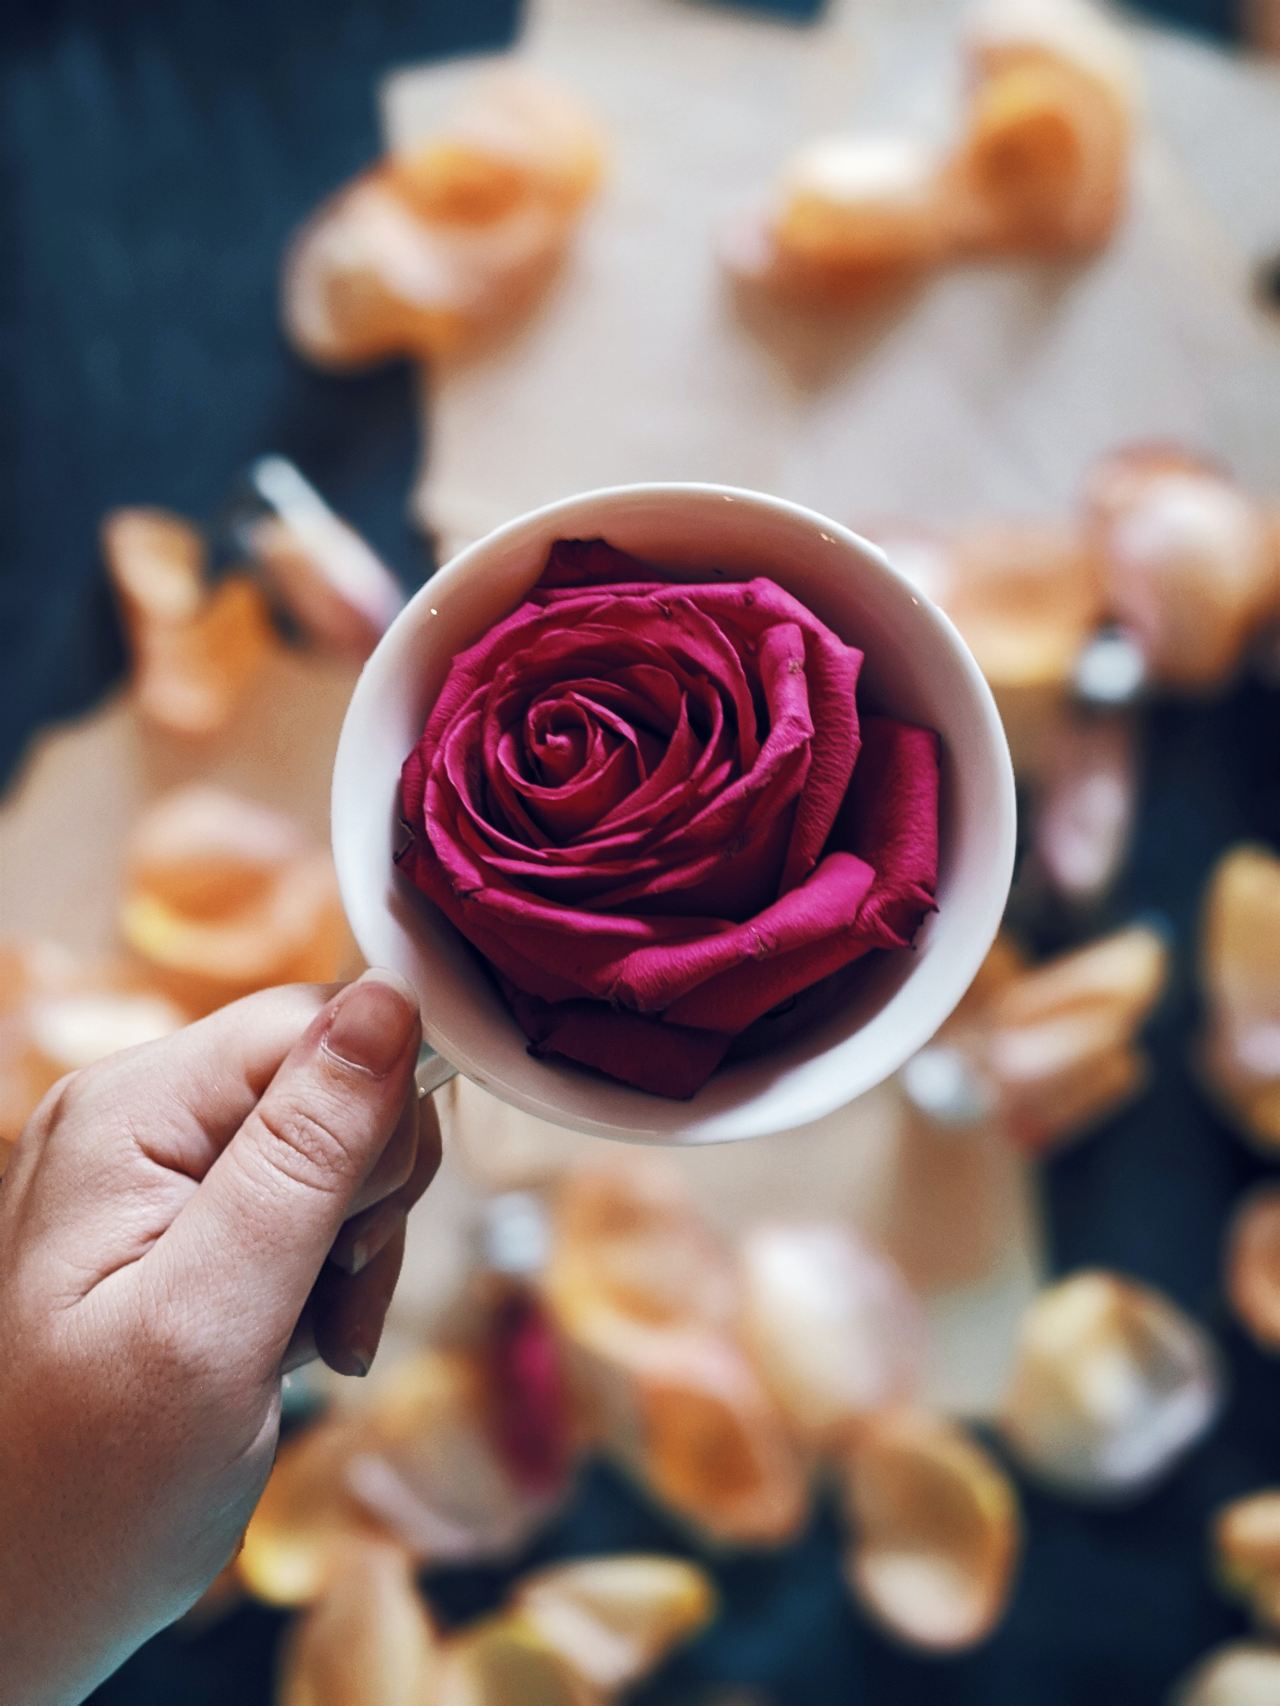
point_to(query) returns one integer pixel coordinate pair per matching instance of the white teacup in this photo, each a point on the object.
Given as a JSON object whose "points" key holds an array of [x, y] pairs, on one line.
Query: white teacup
{"points": [[917, 667]]}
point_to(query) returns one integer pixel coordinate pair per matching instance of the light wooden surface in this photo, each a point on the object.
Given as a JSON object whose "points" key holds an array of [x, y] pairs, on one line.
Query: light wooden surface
{"points": [[988, 395]]}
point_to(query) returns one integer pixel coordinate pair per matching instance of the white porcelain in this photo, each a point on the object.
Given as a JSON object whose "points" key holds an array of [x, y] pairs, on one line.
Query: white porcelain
{"points": [[917, 667]]}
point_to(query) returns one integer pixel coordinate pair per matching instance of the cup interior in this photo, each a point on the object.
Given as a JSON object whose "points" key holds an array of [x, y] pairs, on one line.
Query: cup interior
{"points": [[916, 667]]}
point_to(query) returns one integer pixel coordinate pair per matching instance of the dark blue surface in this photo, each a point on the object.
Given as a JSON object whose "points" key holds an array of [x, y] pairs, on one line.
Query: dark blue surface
{"points": [[155, 156]]}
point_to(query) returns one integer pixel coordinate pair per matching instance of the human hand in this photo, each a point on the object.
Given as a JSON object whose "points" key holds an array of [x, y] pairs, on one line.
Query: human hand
{"points": [[179, 1225]]}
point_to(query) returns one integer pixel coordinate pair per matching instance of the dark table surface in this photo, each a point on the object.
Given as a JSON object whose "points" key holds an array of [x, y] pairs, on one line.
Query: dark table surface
{"points": [[155, 156]]}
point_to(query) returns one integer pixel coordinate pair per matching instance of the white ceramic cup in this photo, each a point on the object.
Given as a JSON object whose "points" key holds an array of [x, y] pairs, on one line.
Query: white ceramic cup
{"points": [[916, 667]]}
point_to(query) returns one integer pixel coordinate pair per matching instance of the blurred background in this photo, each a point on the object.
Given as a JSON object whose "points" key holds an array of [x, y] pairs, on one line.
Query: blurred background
{"points": [[969, 1394]]}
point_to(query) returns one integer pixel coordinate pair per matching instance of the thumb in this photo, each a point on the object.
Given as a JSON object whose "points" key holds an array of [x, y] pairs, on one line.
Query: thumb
{"points": [[267, 1212]]}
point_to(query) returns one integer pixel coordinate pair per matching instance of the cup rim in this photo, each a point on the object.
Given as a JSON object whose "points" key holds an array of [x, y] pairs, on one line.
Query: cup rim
{"points": [[659, 1121]]}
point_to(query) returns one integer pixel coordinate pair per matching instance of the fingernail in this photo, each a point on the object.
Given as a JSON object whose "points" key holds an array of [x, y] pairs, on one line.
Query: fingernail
{"points": [[374, 1023], [376, 1230]]}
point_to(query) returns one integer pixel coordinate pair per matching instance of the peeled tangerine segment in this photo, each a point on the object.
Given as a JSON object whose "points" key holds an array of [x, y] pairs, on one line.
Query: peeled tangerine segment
{"points": [[936, 1531], [368, 279], [196, 647], [1187, 561], [513, 134], [367, 1641], [1111, 1385], [1057, 1041], [224, 896], [1239, 956], [831, 1325], [1253, 1265], [1246, 1541], [614, 1619], [1241, 1673]]}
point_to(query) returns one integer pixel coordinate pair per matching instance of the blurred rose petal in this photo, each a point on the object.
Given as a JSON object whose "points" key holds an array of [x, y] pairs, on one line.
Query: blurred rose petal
{"points": [[505, 1661], [1239, 956], [1084, 822], [367, 1641], [1044, 165], [647, 1300], [528, 1396], [223, 896], [366, 279], [628, 1241], [830, 1324], [448, 239], [1246, 1542], [1241, 1673], [433, 1466], [936, 1531], [1027, 598], [1112, 1384], [851, 217], [196, 646], [1058, 1042], [515, 133], [58, 1013], [710, 1442], [1186, 559], [1253, 1265], [339, 593], [307, 1519], [614, 1619]]}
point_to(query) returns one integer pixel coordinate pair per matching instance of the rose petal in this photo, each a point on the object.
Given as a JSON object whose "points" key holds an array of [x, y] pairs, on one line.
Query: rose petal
{"points": [[639, 922], [831, 1325], [1111, 1385], [1246, 1542], [224, 896], [936, 1531], [1239, 952], [1239, 1673], [614, 1619], [367, 1641], [1253, 1265]]}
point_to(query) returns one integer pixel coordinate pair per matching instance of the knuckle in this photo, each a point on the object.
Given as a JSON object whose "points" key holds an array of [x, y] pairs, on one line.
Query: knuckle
{"points": [[58, 1100], [305, 1143]]}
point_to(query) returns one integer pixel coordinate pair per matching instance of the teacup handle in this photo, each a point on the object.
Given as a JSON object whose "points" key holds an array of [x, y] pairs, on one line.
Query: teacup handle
{"points": [[433, 1070]]}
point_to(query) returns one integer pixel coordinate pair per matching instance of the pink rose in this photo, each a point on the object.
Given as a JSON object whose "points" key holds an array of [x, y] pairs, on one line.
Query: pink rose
{"points": [[655, 812]]}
